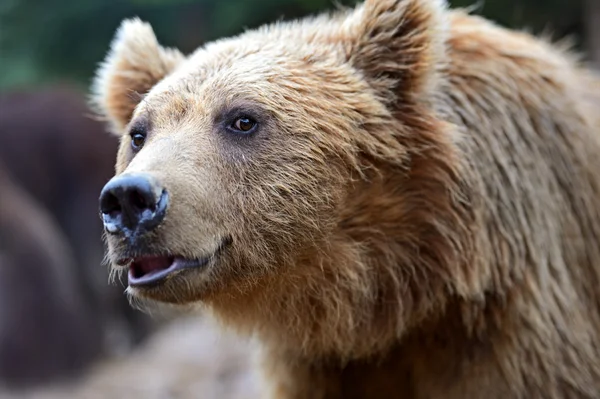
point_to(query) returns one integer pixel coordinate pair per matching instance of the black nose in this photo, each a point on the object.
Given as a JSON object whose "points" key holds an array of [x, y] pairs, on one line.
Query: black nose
{"points": [[132, 204]]}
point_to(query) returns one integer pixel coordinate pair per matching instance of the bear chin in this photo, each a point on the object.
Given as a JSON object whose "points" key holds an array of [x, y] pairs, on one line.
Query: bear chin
{"points": [[174, 289]]}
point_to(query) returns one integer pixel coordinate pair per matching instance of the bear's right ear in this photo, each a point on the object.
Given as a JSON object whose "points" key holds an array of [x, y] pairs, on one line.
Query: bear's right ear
{"points": [[399, 45], [134, 64]]}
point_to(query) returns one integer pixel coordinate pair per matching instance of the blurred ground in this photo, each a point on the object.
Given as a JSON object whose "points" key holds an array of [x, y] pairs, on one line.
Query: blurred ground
{"points": [[188, 358]]}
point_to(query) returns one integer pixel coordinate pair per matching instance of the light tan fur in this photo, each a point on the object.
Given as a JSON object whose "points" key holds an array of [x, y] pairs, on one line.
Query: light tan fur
{"points": [[417, 216]]}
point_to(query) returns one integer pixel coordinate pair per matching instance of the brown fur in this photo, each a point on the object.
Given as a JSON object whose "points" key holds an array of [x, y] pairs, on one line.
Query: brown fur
{"points": [[417, 215]]}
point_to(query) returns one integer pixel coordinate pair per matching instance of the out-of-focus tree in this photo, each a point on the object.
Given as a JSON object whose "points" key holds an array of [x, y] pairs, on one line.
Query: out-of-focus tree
{"points": [[556, 17], [44, 40], [592, 23]]}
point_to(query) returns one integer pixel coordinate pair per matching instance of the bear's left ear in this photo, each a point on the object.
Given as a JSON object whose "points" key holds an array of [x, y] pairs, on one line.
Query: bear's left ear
{"points": [[134, 64], [400, 46]]}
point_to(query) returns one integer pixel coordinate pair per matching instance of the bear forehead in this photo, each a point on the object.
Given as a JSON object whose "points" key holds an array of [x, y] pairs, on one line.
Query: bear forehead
{"points": [[253, 68]]}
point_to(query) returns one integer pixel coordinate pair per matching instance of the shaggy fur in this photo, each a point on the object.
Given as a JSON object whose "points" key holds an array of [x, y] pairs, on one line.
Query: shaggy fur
{"points": [[416, 216]]}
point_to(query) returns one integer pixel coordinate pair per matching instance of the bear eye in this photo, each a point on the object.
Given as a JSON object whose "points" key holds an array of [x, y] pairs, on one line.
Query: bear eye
{"points": [[137, 140], [244, 125]]}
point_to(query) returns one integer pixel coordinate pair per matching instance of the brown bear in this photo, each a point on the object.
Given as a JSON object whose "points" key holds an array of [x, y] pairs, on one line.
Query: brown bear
{"points": [[398, 200]]}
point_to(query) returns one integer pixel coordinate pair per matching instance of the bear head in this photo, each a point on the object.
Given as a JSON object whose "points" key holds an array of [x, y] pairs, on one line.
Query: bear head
{"points": [[254, 174]]}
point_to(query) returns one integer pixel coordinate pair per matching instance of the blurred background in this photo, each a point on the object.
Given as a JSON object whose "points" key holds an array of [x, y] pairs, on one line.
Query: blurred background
{"points": [[64, 331]]}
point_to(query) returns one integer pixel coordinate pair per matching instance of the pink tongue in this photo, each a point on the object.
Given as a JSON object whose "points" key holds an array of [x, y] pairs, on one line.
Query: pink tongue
{"points": [[153, 264]]}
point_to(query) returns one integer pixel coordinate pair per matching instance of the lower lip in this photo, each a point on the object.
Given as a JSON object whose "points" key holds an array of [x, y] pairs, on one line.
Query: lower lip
{"points": [[178, 264], [155, 278]]}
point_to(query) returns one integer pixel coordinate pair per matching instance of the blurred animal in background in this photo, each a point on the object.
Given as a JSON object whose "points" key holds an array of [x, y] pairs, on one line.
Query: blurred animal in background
{"points": [[46, 330], [52, 280]]}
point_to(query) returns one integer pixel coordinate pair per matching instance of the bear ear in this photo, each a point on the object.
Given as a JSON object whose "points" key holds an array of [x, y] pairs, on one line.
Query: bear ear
{"points": [[400, 46], [134, 64]]}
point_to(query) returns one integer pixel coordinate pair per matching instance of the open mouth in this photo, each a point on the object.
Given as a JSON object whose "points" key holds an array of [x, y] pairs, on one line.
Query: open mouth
{"points": [[151, 270]]}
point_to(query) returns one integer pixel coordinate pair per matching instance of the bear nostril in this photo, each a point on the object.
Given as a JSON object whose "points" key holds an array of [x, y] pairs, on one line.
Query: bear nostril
{"points": [[109, 204], [141, 201]]}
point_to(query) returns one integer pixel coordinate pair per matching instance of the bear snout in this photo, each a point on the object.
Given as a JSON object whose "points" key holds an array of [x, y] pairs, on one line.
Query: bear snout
{"points": [[133, 204]]}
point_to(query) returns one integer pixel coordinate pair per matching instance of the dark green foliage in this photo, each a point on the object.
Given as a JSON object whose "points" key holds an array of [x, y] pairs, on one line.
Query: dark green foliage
{"points": [[47, 40]]}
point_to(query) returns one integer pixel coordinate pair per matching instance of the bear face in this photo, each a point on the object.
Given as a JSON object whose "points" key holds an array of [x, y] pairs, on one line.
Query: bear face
{"points": [[251, 174], [258, 158]]}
